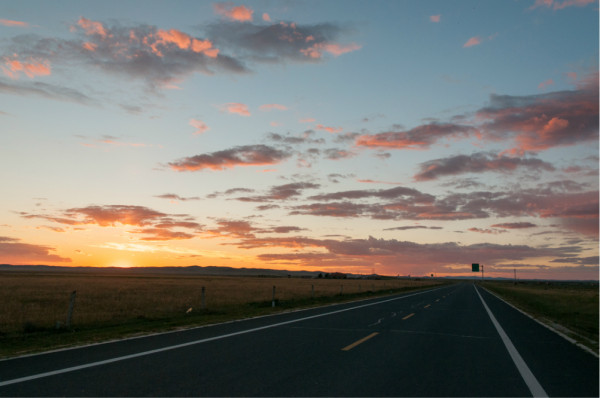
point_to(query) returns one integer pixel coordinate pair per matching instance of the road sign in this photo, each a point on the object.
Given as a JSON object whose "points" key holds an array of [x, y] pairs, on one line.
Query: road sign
{"points": [[475, 267]]}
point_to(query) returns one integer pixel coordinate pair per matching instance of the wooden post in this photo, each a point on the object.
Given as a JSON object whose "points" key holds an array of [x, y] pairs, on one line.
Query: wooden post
{"points": [[71, 306], [312, 291], [273, 301], [203, 300]]}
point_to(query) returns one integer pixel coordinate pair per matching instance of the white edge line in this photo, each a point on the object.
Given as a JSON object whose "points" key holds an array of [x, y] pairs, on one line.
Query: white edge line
{"points": [[558, 332], [532, 383], [144, 353]]}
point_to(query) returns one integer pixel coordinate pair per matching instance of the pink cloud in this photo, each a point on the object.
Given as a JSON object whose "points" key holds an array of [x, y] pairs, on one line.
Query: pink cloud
{"points": [[234, 13], [8, 22], [544, 121], [435, 18], [199, 125], [13, 67], [236, 108], [266, 17], [308, 120], [269, 107], [316, 50], [473, 41], [545, 84]]}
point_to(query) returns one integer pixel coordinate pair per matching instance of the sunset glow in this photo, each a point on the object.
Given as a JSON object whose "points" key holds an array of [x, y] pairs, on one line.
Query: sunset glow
{"points": [[396, 137]]}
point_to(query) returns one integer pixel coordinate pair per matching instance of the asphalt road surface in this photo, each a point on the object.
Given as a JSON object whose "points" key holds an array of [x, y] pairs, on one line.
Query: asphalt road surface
{"points": [[457, 340]]}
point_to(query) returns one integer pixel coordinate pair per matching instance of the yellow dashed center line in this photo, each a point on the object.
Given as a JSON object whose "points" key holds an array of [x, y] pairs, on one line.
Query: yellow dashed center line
{"points": [[408, 316], [351, 346]]}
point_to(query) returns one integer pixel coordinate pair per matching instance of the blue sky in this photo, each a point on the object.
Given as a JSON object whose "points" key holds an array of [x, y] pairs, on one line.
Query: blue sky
{"points": [[405, 137]]}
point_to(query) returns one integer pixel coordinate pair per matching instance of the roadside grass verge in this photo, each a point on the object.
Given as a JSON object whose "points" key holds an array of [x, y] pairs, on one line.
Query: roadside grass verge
{"points": [[570, 307], [107, 307]]}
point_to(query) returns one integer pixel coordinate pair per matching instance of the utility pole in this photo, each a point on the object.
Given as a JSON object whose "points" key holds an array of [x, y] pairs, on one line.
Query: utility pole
{"points": [[515, 276], [482, 274]]}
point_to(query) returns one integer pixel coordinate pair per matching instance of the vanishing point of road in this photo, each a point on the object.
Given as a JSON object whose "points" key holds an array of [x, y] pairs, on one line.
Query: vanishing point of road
{"points": [[457, 340]]}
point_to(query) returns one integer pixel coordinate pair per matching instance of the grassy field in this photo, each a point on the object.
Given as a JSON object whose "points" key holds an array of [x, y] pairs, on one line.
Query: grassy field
{"points": [[569, 305], [35, 305]]}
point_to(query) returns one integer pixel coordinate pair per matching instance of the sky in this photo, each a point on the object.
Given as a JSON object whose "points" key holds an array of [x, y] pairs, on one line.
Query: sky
{"points": [[390, 137]]}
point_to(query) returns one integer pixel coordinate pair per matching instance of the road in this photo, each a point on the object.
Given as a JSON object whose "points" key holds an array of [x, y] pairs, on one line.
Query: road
{"points": [[457, 340]]}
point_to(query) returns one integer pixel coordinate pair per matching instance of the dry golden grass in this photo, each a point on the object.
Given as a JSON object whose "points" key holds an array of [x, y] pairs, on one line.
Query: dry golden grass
{"points": [[37, 301]]}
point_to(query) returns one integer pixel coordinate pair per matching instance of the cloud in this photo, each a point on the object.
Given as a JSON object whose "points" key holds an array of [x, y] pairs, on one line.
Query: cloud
{"points": [[281, 42], [400, 256], [421, 137], [270, 107], [557, 5], [18, 24], [329, 129], [234, 13], [12, 251], [158, 225], [46, 90], [176, 198], [575, 211], [514, 225], [249, 155], [473, 41], [266, 17], [235, 108], [199, 125], [32, 67], [545, 84], [281, 192], [540, 122], [477, 163], [435, 18]]}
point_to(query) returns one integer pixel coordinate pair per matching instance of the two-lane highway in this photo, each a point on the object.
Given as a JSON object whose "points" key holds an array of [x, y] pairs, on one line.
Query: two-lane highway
{"points": [[456, 340]]}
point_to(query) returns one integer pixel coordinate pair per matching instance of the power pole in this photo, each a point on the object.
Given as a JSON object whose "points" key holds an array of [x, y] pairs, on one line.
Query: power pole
{"points": [[482, 274], [515, 276]]}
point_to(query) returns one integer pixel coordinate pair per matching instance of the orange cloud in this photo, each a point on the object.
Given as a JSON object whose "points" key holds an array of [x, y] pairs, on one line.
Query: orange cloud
{"points": [[234, 13], [8, 22], [329, 129], [473, 41], [199, 125], [237, 108], [435, 18], [266, 17], [32, 68], [92, 27]]}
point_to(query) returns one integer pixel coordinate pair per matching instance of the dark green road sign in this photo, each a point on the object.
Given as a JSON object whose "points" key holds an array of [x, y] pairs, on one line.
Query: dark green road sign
{"points": [[475, 267]]}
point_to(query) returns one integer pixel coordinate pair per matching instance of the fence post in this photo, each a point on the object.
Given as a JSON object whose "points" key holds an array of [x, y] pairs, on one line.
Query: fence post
{"points": [[273, 301], [71, 306], [341, 289], [312, 291], [203, 300]]}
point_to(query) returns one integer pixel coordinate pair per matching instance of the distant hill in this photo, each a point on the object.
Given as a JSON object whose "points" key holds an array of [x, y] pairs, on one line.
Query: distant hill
{"points": [[191, 270]]}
